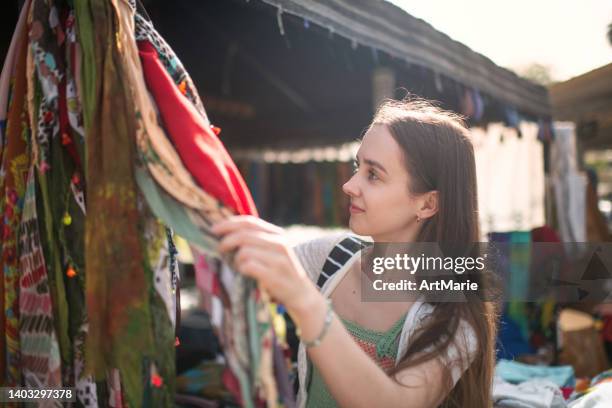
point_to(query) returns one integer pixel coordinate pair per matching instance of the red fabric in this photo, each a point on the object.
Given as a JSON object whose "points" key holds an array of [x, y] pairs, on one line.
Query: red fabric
{"points": [[65, 125], [544, 234], [200, 149], [545, 254], [567, 391], [606, 331], [231, 384]]}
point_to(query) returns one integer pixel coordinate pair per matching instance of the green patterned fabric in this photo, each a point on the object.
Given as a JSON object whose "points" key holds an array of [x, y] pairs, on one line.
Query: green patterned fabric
{"points": [[117, 288], [385, 345], [386, 342]]}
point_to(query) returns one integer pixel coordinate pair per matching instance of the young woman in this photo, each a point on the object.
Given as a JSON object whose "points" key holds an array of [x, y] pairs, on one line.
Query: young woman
{"points": [[415, 181]]}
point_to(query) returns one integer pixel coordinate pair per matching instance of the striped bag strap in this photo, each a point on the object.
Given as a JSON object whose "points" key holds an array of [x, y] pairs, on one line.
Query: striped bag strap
{"points": [[338, 256]]}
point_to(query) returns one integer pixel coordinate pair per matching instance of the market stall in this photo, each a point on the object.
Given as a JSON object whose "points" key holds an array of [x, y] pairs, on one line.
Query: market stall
{"points": [[287, 86]]}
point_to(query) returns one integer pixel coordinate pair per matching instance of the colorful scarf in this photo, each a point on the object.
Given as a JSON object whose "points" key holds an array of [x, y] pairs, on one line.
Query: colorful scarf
{"points": [[117, 290], [13, 176], [40, 357], [199, 148]]}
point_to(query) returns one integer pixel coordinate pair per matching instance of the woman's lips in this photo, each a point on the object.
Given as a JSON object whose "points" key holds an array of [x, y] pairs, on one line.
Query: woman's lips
{"points": [[355, 210]]}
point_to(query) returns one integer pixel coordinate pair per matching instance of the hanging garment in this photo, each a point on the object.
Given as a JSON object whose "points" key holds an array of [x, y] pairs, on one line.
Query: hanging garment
{"points": [[14, 167], [249, 354], [58, 155], [520, 261], [545, 258], [120, 334], [247, 359], [467, 103], [39, 348], [144, 31], [545, 130], [569, 185], [478, 105], [201, 151], [513, 261], [511, 196]]}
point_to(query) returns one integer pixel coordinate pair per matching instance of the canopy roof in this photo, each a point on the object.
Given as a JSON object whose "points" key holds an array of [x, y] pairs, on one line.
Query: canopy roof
{"points": [[289, 74], [587, 101], [382, 25]]}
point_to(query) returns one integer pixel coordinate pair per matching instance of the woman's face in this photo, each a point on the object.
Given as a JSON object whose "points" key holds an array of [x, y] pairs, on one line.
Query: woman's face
{"points": [[381, 204]]}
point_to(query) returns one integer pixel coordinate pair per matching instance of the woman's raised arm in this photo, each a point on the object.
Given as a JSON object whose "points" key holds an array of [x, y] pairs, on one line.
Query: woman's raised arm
{"points": [[353, 379]]}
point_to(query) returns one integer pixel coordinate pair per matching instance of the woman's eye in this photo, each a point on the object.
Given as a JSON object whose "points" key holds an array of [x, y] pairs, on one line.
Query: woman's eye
{"points": [[372, 175]]}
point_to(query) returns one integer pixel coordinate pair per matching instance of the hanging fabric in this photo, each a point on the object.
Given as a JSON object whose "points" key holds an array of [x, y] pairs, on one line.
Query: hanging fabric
{"points": [[319, 201], [87, 172], [13, 176]]}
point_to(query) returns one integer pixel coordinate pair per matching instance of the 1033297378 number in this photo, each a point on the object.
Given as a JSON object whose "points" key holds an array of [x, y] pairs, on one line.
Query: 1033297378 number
{"points": [[22, 394]]}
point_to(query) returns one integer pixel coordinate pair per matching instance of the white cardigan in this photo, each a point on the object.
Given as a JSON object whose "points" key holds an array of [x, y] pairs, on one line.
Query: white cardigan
{"points": [[312, 255]]}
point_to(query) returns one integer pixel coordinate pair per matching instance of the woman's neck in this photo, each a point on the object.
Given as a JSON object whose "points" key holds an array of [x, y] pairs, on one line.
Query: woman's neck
{"points": [[407, 235]]}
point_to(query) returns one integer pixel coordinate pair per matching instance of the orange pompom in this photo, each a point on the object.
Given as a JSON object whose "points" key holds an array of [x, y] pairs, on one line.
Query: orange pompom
{"points": [[183, 87], [66, 139], [582, 384], [70, 272], [156, 380]]}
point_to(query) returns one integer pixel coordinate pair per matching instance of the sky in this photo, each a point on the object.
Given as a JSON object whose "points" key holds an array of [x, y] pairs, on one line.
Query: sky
{"points": [[569, 36]]}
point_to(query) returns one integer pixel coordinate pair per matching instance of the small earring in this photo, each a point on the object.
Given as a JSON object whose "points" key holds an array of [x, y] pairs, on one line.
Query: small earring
{"points": [[418, 219]]}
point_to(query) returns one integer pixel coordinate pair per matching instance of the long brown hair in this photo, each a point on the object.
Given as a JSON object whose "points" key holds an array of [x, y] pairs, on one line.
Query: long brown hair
{"points": [[439, 155]]}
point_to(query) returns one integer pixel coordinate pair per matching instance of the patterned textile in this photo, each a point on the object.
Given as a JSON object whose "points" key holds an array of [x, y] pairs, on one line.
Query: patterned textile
{"points": [[117, 291], [13, 174], [46, 36], [96, 170], [144, 31], [245, 317], [40, 357], [200, 150], [380, 346]]}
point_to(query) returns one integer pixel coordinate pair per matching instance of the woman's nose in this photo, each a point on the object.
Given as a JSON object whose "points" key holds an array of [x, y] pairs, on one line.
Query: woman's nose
{"points": [[350, 188]]}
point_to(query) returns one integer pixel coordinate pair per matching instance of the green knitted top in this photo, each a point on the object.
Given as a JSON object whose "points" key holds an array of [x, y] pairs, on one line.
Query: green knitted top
{"points": [[380, 346]]}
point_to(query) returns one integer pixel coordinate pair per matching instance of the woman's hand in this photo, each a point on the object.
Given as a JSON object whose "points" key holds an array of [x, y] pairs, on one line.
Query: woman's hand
{"points": [[262, 253]]}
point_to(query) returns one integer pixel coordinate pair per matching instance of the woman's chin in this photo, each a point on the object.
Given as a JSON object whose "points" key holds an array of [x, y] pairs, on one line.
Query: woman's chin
{"points": [[357, 227]]}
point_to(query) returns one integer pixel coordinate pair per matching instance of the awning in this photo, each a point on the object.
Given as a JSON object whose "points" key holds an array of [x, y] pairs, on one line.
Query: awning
{"points": [[384, 26]]}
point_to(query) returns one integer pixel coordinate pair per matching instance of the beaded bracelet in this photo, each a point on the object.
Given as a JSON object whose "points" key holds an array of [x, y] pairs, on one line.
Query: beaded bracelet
{"points": [[329, 315]]}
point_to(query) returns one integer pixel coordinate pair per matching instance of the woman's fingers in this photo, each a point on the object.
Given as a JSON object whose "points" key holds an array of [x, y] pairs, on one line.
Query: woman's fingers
{"points": [[247, 253], [244, 222], [272, 261], [255, 269], [234, 240], [273, 270]]}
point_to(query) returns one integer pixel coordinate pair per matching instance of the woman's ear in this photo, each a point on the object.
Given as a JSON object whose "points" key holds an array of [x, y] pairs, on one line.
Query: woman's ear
{"points": [[429, 208]]}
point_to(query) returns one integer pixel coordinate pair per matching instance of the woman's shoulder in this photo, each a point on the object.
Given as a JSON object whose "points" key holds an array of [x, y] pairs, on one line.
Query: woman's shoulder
{"points": [[463, 347], [313, 253], [462, 350]]}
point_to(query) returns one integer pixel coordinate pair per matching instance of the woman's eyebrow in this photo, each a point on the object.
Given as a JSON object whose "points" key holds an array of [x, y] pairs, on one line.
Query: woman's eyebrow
{"points": [[374, 163]]}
